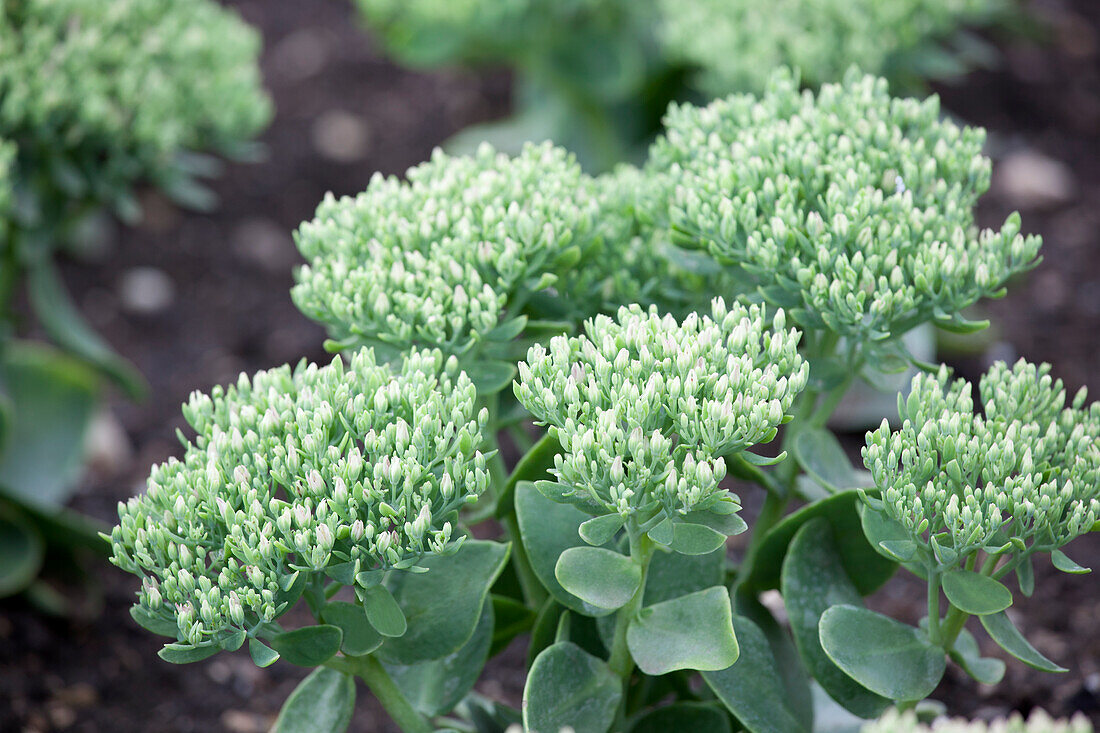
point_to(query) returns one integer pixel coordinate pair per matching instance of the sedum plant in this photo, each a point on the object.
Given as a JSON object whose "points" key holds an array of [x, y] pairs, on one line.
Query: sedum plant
{"points": [[96, 99], [908, 42], [1037, 722], [595, 75], [671, 326]]}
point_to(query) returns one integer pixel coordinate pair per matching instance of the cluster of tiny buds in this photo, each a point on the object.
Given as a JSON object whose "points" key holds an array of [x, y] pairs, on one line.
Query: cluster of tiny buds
{"points": [[646, 407], [337, 469], [1024, 474], [851, 208], [437, 259], [1037, 722]]}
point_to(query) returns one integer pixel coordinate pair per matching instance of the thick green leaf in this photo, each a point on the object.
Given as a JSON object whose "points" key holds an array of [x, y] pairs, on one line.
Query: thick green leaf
{"points": [[548, 529], [567, 686], [967, 655], [820, 454], [672, 575], [691, 632], [309, 646], [891, 540], [866, 567], [360, 636], [445, 603], [695, 539], [321, 703], [383, 612], [600, 530], [1001, 629], [152, 622], [975, 593], [1025, 575], [534, 466], [262, 655], [490, 377], [601, 577], [753, 688], [436, 686], [696, 717], [813, 580], [53, 398], [21, 552], [61, 320], [1062, 562], [177, 653], [799, 694], [886, 656]]}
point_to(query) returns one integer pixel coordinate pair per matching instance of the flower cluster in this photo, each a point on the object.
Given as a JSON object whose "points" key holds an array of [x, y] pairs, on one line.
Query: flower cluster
{"points": [[1021, 475], [441, 259], [342, 470], [645, 407], [1037, 722], [100, 94], [851, 209], [735, 43]]}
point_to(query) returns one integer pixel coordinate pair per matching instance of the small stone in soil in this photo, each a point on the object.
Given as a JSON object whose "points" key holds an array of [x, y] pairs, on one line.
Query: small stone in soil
{"points": [[146, 290], [341, 136]]}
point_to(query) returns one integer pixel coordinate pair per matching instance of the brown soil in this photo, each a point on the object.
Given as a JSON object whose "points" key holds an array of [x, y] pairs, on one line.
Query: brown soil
{"points": [[343, 113]]}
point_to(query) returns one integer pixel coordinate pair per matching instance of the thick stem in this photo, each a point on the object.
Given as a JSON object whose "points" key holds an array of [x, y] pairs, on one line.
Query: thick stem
{"points": [[934, 607], [770, 514], [953, 624], [621, 663], [371, 671]]}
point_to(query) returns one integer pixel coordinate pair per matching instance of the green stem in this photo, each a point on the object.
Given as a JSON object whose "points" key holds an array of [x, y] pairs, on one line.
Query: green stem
{"points": [[934, 606], [621, 663], [371, 671], [953, 625]]}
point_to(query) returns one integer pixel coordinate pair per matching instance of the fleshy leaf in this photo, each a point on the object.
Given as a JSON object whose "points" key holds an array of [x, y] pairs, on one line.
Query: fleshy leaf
{"points": [[695, 539], [567, 686], [695, 717], [820, 454], [360, 636], [690, 632], [435, 687], [752, 688], [975, 593], [1001, 629], [309, 646], [548, 529], [813, 580], [383, 611], [602, 577], [885, 656], [321, 703], [446, 602], [600, 530], [966, 654]]}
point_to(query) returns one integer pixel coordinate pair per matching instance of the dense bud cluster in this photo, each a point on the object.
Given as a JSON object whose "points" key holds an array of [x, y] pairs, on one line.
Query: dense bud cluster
{"points": [[1022, 474], [100, 94], [1037, 722], [736, 43], [850, 208], [440, 259], [645, 408], [342, 470]]}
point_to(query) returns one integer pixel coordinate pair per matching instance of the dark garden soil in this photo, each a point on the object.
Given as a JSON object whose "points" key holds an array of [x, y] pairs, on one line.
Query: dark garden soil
{"points": [[194, 299]]}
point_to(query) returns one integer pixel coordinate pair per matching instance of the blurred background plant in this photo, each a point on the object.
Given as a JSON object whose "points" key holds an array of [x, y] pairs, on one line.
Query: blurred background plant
{"points": [[96, 100], [596, 75]]}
